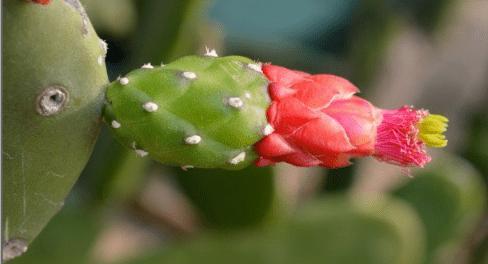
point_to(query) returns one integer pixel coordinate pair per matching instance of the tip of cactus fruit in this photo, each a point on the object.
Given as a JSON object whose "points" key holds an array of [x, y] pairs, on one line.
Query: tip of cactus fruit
{"points": [[432, 128]]}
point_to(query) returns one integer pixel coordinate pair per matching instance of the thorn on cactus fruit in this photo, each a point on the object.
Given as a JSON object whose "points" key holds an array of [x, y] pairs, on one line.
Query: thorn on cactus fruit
{"points": [[235, 102], [268, 130], [141, 153], [115, 124], [255, 67], [147, 66], [52, 100], [238, 159], [13, 248], [150, 107], [189, 75], [247, 95], [193, 140], [187, 167], [210, 52], [124, 80]]}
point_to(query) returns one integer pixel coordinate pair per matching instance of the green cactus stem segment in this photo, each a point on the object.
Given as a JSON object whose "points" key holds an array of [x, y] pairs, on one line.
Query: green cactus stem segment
{"points": [[52, 101], [199, 111]]}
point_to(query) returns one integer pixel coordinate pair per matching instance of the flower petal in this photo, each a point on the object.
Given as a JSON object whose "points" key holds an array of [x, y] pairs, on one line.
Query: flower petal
{"points": [[321, 90], [283, 76], [321, 136], [341, 85], [289, 114], [358, 117], [335, 161], [277, 91], [301, 159], [272, 146], [261, 162]]}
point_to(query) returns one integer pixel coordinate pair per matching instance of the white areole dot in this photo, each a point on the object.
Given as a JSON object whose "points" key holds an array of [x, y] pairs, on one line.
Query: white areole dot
{"points": [[255, 66], [235, 102], [115, 124], [193, 140], [147, 66], [150, 107], [141, 153], [211, 52], [238, 159], [103, 46], [187, 167], [124, 80], [100, 60], [189, 75], [268, 130]]}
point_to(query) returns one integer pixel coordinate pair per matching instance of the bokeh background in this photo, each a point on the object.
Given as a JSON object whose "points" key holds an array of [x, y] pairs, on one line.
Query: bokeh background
{"points": [[431, 54]]}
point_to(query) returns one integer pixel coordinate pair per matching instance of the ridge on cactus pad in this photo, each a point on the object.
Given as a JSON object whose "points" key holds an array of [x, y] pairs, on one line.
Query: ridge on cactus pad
{"points": [[226, 112]]}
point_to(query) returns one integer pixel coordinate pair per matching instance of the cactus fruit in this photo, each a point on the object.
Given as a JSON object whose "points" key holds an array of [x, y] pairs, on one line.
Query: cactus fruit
{"points": [[52, 99], [209, 112], [199, 111]]}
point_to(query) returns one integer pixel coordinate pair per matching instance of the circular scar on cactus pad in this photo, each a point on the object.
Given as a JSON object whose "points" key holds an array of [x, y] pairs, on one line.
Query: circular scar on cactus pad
{"points": [[52, 100], [229, 112]]}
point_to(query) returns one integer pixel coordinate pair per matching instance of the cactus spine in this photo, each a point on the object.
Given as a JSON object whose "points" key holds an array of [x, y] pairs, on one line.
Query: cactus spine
{"points": [[53, 73]]}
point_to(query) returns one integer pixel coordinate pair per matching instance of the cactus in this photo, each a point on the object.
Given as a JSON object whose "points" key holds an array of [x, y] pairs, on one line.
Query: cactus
{"points": [[52, 100], [209, 112], [152, 110]]}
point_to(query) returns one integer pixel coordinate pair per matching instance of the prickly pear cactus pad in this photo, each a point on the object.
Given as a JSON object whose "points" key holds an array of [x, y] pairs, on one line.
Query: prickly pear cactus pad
{"points": [[198, 111], [52, 96]]}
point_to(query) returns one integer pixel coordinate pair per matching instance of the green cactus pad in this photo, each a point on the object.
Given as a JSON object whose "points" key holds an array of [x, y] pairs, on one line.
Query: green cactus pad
{"points": [[52, 97], [199, 111]]}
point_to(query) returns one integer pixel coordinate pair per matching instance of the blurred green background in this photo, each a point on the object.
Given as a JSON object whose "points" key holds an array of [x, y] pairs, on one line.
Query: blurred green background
{"points": [[433, 54]]}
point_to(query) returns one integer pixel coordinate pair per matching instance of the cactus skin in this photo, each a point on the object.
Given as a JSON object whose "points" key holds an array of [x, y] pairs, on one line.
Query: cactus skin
{"points": [[187, 113], [45, 148]]}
